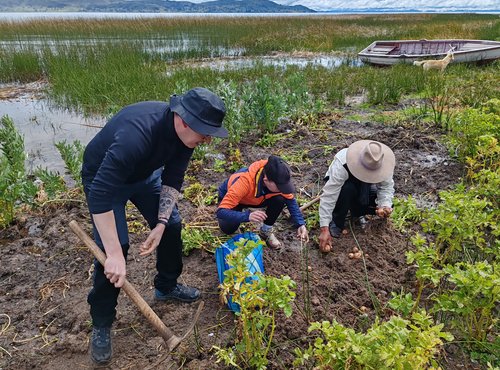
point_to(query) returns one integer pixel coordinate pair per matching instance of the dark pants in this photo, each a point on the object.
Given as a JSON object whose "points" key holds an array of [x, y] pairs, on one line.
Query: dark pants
{"points": [[273, 207], [350, 200], [145, 196]]}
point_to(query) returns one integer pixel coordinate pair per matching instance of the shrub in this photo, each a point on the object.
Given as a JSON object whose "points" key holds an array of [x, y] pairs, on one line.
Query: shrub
{"points": [[395, 344]]}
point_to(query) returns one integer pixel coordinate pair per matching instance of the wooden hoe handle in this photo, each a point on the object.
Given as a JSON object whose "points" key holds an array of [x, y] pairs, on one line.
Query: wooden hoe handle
{"points": [[170, 338]]}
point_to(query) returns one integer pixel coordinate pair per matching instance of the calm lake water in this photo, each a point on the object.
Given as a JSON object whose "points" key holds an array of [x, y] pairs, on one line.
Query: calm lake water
{"points": [[42, 125], [19, 16]]}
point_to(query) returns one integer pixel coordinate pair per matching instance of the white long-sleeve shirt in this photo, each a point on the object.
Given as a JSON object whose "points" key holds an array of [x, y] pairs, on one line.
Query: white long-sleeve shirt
{"points": [[337, 176]]}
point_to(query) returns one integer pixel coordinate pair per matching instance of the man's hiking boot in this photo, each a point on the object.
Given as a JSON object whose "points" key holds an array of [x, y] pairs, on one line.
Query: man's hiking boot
{"points": [[101, 350], [180, 292], [271, 240]]}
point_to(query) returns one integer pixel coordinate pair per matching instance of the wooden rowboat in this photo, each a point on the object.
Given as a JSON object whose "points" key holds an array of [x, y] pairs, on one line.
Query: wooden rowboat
{"points": [[407, 51]]}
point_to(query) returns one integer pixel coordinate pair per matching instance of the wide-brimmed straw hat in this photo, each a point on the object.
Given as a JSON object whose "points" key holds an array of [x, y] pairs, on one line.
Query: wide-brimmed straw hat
{"points": [[202, 110], [370, 161]]}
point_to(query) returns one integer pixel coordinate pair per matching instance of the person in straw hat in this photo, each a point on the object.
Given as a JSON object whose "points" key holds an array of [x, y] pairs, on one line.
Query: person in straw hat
{"points": [[359, 181], [141, 155]]}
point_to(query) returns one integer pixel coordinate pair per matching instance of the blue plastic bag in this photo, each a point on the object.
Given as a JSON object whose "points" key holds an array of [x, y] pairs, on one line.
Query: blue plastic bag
{"points": [[254, 260]]}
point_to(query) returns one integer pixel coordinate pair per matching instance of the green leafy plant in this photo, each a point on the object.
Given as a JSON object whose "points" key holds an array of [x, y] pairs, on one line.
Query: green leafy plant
{"points": [[472, 297], [51, 182], [235, 160], [487, 158], [14, 184], [426, 258], [402, 303], [200, 195], [219, 165], [460, 224], [72, 155], [395, 344], [198, 237], [260, 297], [269, 139], [470, 125], [438, 93], [405, 212]]}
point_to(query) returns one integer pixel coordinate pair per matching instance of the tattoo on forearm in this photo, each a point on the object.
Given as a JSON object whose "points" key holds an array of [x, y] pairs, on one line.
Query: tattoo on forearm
{"points": [[168, 198]]}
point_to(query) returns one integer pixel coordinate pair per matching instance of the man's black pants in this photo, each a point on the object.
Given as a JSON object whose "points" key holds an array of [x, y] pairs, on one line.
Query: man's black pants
{"points": [[350, 199], [145, 196]]}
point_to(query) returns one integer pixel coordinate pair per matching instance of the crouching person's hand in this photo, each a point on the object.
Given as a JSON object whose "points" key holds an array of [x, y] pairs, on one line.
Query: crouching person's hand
{"points": [[383, 212], [303, 234], [325, 240]]}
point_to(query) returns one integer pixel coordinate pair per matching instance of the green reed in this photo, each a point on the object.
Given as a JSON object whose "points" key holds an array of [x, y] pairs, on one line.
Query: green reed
{"points": [[263, 35]]}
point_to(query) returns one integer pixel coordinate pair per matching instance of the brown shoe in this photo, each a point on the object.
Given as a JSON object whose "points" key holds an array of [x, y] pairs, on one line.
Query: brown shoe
{"points": [[270, 239]]}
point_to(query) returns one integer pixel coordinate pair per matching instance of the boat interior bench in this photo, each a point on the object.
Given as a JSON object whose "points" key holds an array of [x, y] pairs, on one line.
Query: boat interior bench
{"points": [[382, 49]]}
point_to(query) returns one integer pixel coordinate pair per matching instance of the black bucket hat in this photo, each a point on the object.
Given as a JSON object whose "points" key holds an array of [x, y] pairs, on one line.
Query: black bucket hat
{"points": [[277, 171], [202, 110]]}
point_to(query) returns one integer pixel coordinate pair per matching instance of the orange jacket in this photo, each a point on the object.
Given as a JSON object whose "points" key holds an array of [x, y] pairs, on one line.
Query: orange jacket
{"points": [[246, 188]]}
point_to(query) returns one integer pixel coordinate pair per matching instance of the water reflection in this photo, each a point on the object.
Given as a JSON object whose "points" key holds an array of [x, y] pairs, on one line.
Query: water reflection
{"points": [[283, 61], [153, 46], [26, 16], [42, 126]]}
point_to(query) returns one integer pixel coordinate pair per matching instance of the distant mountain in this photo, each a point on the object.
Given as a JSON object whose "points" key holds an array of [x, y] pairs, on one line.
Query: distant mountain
{"points": [[396, 5], [151, 6]]}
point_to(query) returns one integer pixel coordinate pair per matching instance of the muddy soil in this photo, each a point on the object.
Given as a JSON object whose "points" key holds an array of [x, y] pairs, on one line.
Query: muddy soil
{"points": [[45, 271]]}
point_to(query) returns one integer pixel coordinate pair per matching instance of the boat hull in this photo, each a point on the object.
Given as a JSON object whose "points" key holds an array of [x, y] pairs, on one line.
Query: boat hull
{"points": [[386, 53]]}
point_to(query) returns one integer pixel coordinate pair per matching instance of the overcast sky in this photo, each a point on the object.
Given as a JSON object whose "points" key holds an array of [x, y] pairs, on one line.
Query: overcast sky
{"points": [[324, 5]]}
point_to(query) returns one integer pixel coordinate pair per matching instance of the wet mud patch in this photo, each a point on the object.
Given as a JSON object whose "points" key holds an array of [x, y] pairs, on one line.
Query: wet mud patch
{"points": [[46, 271]]}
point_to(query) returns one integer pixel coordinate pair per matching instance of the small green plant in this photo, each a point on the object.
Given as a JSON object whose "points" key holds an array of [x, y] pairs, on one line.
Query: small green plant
{"points": [[200, 195], [487, 158], [472, 297], [72, 155], [395, 344], [402, 303], [198, 237], [14, 184], [235, 160], [260, 297], [312, 217], [428, 265], [233, 121], [460, 224], [219, 165], [297, 157], [439, 97], [405, 213], [51, 182], [470, 125], [269, 139]]}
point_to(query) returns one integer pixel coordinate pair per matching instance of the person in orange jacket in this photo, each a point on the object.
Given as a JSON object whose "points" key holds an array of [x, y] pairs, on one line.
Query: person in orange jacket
{"points": [[265, 185]]}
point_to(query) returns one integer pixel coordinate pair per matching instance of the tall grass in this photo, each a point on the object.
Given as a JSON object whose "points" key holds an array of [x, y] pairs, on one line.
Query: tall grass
{"points": [[263, 35]]}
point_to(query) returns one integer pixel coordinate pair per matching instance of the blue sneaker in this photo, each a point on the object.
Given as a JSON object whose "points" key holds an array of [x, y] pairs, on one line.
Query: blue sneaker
{"points": [[180, 292], [100, 349]]}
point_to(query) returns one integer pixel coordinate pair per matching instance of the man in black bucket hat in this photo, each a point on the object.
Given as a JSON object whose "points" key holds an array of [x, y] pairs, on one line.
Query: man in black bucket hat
{"points": [[141, 155]]}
